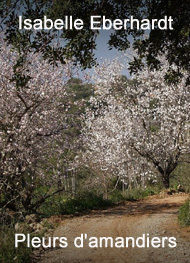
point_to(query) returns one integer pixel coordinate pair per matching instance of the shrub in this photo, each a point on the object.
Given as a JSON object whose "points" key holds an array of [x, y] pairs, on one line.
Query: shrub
{"points": [[84, 203], [52, 205], [184, 214], [8, 252], [116, 196], [133, 194]]}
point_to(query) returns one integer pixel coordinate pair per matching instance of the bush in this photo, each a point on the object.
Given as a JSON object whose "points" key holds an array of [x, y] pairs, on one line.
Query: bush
{"points": [[184, 214], [116, 196], [84, 203], [51, 206], [138, 194], [88, 200], [133, 194], [8, 252]]}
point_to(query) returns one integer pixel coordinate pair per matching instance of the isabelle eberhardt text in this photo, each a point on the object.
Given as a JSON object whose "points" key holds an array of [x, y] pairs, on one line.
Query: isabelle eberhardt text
{"points": [[96, 23]]}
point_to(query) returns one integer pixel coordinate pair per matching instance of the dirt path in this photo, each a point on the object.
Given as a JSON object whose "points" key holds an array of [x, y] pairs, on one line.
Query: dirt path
{"points": [[155, 216]]}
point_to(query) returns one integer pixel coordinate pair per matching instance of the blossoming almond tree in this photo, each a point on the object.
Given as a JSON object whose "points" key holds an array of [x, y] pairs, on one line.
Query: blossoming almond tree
{"points": [[144, 127], [32, 115]]}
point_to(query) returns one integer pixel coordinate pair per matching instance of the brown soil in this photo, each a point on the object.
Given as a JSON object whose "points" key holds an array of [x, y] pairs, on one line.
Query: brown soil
{"points": [[156, 216]]}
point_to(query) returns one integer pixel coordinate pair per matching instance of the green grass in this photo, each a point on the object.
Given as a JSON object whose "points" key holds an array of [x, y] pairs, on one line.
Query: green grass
{"points": [[184, 214], [84, 203], [133, 194], [8, 252]]}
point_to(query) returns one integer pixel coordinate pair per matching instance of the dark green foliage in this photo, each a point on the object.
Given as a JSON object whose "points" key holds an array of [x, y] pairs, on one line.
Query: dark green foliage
{"points": [[52, 205], [84, 203], [79, 94], [116, 196], [133, 194], [138, 194], [65, 204], [184, 214]]}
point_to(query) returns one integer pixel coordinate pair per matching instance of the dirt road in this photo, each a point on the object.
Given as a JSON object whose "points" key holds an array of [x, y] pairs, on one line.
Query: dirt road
{"points": [[155, 216]]}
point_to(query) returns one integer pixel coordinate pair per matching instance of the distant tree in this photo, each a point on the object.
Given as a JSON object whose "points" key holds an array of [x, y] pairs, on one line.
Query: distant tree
{"points": [[144, 130]]}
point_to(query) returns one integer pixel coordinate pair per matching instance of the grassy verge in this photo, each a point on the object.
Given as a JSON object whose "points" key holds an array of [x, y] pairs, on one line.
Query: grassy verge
{"points": [[184, 214], [8, 252], [82, 203], [88, 201], [133, 194]]}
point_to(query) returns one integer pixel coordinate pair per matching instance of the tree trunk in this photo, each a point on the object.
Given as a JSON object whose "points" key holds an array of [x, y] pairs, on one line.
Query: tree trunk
{"points": [[165, 173], [166, 180]]}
